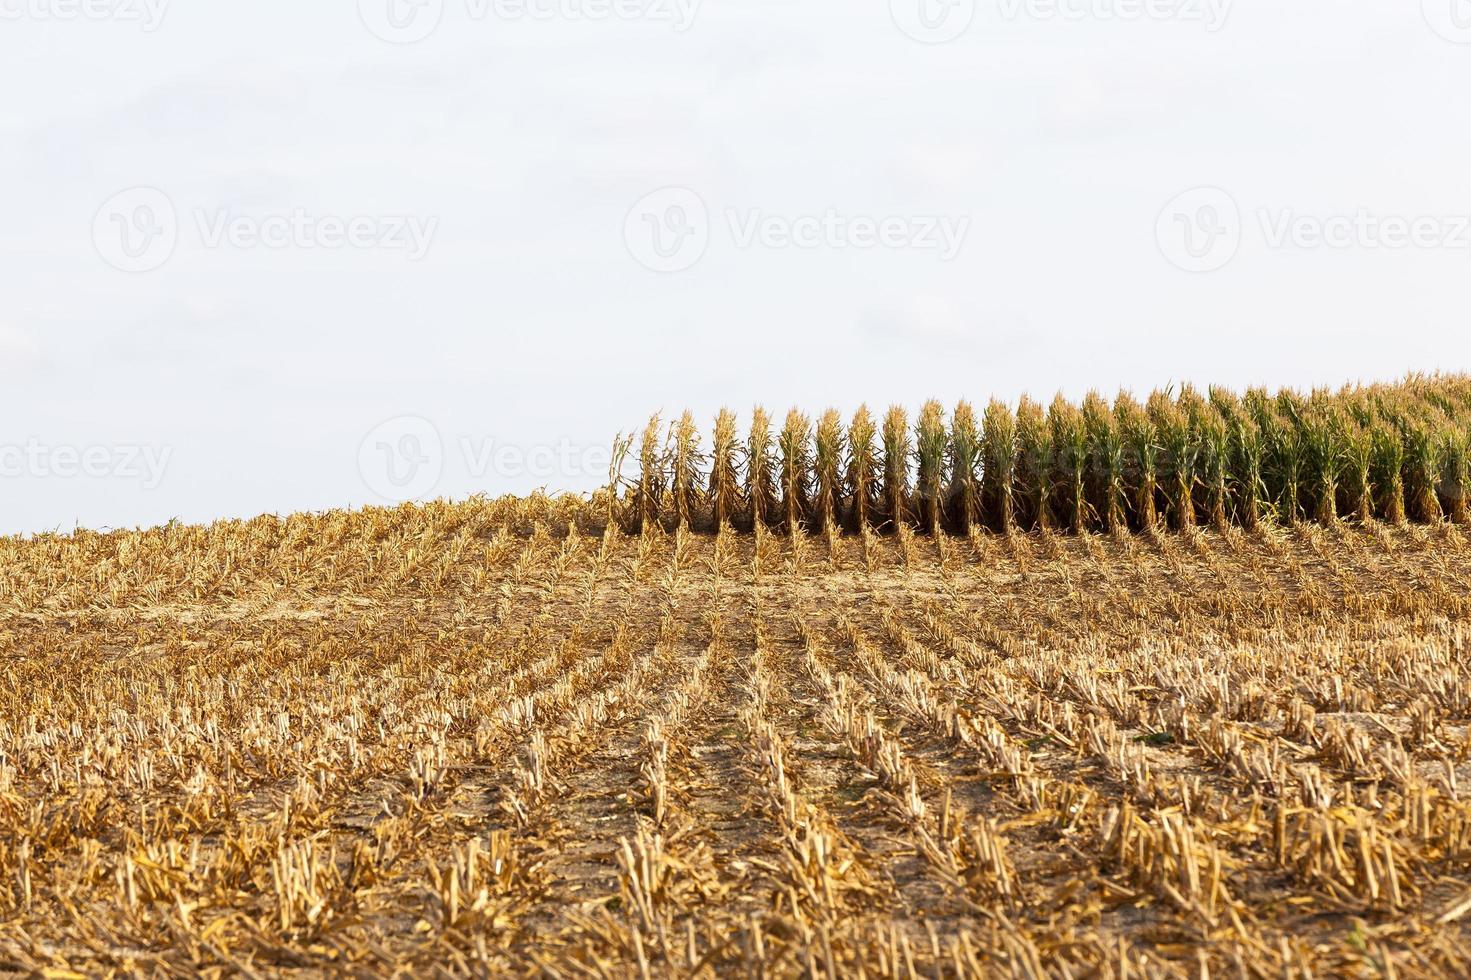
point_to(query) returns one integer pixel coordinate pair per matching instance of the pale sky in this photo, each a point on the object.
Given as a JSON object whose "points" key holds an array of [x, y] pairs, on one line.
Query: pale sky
{"points": [[277, 256]]}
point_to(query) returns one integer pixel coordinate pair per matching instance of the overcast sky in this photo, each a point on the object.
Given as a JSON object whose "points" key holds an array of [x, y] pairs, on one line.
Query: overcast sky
{"points": [[282, 255]]}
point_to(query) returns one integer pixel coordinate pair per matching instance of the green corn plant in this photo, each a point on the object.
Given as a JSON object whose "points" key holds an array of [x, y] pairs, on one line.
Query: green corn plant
{"points": [[1070, 454], [725, 484], [1422, 467], [966, 449], [761, 472], [865, 477], [1455, 453], [1388, 471], [828, 465], [896, 467], [1196, 411], [998, 466], [1215, 469], [1282, 463], [1242, 453], [1323, 451], [929, 453], [1141, 460], [796, 469], [1034, 473], [1358, 466], [1248, 485], [1108, 495], [1178, 458]]}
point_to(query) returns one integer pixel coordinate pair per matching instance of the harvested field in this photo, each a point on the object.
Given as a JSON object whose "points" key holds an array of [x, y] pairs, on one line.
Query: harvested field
{"points": [[476, 739]]}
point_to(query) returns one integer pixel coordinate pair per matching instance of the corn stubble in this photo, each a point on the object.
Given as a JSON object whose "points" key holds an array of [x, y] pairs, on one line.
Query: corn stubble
{"points": [[577, 737]]}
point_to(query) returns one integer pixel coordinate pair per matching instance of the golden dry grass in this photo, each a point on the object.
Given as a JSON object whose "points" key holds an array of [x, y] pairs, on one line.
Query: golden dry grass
{"points": [[487, 739]]}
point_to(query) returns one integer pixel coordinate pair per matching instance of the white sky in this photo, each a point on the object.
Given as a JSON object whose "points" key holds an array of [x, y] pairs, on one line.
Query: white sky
{"points": [[1054, 137]]}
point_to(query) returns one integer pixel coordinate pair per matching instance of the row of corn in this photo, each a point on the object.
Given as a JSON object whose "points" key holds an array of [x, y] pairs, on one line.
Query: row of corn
{"points": [[1178, 459]]}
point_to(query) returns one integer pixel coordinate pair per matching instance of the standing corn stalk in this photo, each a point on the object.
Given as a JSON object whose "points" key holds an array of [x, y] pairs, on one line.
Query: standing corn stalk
{"points": [[1106, 464], [1455, 451], [896, 467], [864, 474], [686, 477], [761, 472], [1389, 477], [930, 454], [650, 494], [796, 469], [615, 514], [966, 449], [828, 503], [1291, 455], [1322, 437], [1141, 461], [725, 485], [998, 467], [1245, 452], [1034, 464], [1358, 463], [1070, 453], [1179, 459], [1422, 466]]}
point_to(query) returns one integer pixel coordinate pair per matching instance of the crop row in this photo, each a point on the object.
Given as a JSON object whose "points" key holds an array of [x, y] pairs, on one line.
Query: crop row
{"points": [[1178, 459]]}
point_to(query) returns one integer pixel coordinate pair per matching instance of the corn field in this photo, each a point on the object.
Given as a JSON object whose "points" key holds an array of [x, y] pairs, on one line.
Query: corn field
{"points": [[1181, 459], [849, 732], [505, 737]]}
